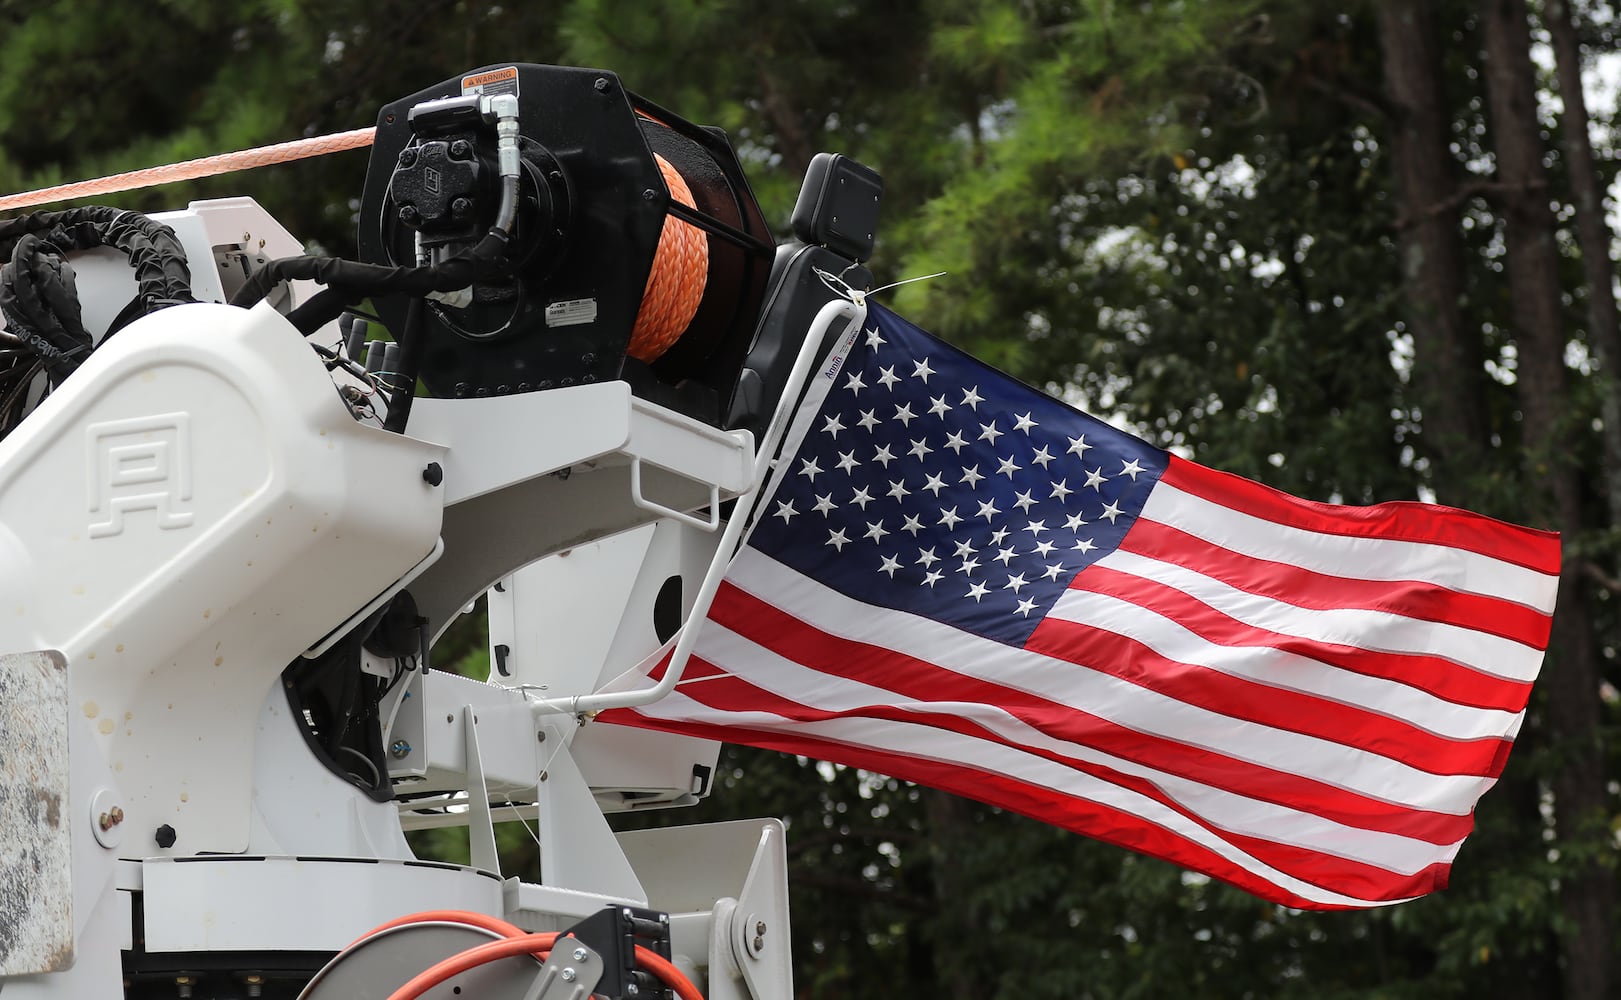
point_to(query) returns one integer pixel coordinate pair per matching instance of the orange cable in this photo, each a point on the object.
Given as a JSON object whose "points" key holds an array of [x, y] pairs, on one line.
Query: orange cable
{"points": [[206, 166], [433, 975], [675, 285], [469, 917], [515, 941]]}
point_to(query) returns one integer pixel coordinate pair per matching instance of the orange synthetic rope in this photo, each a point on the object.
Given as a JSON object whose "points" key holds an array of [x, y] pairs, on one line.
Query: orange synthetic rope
{"points": [[675, 285], [207, 166]]}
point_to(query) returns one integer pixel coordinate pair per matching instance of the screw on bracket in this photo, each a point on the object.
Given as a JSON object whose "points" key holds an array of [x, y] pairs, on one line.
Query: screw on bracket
{"points": [[399, 749]]}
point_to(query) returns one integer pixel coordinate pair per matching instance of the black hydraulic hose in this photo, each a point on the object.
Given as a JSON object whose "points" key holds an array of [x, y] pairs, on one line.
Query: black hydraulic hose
{"points": [[41, 307], [162, 277], [410, 341], [378, 279]]}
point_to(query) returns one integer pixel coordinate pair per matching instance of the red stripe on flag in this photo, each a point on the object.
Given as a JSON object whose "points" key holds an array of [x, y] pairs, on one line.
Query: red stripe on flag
{"points": [[1439, 676], [920, 681], [732, 694], [1082, 816], [1397, 520], [1306, 588], [1132, 661]]}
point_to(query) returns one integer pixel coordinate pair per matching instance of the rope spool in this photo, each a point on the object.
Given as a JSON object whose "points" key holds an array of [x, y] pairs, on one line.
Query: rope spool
{"points": [[675, 285]]}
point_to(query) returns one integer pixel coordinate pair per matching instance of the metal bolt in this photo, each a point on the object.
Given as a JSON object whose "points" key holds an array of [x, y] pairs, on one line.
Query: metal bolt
{"points": [[409, 215], [580, 954], [631, 989], [183, 987], [400, 748], [461, 207], [541, 736], [544, 775], [569, 975], [255, 985], [461, 149], [759, 942], [601, 84], [408, 156], [111, 818], [648, 194], [759, 928]]}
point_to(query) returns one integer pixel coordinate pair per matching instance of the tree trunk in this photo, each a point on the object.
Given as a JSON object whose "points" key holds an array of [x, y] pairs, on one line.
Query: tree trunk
{"points": [[1593, 235], [1448, 367], [1570, 678], [950, 838]]}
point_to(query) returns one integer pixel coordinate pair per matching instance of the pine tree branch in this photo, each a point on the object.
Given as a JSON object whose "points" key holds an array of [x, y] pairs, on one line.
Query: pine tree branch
{"points": [[1596, 573], [1490, 190], [1371, 104]]}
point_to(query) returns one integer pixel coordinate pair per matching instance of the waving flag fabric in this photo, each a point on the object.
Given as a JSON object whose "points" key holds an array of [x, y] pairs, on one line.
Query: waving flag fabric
{"points": [[962, 582]]}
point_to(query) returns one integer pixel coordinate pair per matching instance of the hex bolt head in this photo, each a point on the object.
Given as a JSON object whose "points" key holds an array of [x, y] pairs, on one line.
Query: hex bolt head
{"points": [[601, 84], [580, 954], [399, 749], [569, 975]]}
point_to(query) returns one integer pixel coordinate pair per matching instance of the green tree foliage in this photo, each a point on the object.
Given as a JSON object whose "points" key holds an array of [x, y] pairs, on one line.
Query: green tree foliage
{"points": [[1183, 214]]}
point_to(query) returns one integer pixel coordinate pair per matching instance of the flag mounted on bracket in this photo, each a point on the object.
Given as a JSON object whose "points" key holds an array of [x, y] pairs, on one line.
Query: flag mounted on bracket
{"points": [[959, 581]]}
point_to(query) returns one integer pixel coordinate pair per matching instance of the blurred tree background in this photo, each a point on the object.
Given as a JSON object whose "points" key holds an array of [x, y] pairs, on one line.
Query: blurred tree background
{"points": [[1357, 250]]}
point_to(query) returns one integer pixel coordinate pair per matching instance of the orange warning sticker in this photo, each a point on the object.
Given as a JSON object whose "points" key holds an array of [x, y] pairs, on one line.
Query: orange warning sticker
{"points": [[496, 81]]}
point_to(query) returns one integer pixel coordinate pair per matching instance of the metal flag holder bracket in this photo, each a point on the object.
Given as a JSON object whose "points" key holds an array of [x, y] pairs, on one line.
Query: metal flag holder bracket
{"points": [[851, 309]]}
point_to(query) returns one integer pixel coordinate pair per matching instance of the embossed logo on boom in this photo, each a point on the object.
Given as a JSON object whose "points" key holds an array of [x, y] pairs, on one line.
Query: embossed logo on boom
{"points": [[139, 464]]}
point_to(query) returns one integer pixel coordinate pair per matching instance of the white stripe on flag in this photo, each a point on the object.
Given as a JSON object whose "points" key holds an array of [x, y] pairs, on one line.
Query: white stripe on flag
{"points": [[1229, 811], [1107, 697], [1376, 631], [1285, 670], [1374, 558], [949, 749]]}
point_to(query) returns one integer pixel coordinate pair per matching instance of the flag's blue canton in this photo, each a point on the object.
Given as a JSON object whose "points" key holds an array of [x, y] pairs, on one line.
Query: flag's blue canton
{"points": [[931, 483]]}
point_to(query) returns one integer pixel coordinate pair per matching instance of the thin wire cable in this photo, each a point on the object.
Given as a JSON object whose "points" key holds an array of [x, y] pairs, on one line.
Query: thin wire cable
{"points": [[186, 170]]}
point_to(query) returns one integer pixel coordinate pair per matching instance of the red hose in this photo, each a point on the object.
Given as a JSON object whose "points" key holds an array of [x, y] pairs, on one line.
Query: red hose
{"points": [[468, 917], [515, 941], [433, 975]]}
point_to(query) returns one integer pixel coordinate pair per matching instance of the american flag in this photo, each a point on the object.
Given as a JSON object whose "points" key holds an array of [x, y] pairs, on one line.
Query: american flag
{"points": [[959, 581]]}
